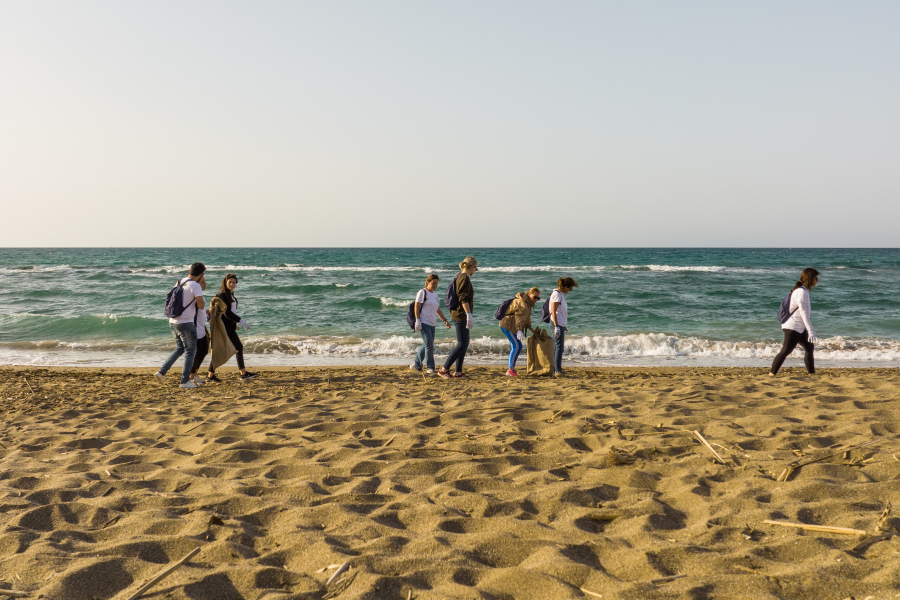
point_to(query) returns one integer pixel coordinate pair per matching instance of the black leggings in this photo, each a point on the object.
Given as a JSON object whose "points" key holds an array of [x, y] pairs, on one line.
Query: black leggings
{"points": [[791, 339], [236, 342], [202, 351]]}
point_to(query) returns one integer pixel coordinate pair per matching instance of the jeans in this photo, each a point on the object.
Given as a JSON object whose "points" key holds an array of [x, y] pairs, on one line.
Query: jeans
{"points": [[185, 343], [559, 344], [516, 347], [791, 339], [425, 355], [458, 354]]}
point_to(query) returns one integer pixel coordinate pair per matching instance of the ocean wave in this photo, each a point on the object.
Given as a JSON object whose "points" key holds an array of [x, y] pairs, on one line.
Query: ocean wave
{"points": [[587, 349], [37, 269], [385, 301]]}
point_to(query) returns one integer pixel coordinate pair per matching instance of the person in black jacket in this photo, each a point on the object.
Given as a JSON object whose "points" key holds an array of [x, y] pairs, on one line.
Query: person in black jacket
{"points": [[231, 320]]}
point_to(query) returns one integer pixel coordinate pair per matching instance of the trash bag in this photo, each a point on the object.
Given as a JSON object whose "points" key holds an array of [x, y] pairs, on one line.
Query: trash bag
{"points": [[540, 353]]}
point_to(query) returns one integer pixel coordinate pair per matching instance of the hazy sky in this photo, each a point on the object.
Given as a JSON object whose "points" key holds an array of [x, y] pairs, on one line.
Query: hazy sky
{"points": [[474, 124]]}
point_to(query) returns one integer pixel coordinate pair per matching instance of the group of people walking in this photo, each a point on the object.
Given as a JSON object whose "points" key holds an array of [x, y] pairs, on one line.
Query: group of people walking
{"points": [[188, 318], [460, 300]]}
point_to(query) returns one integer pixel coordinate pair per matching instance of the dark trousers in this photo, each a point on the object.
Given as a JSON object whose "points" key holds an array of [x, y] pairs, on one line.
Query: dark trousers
{"points": [[236, 342], [202, 351], [458, 354], [791, 339]]}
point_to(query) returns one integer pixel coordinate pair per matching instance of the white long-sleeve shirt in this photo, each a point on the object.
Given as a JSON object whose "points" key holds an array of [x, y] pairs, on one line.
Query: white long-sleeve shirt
{"points": [[799, 320]]}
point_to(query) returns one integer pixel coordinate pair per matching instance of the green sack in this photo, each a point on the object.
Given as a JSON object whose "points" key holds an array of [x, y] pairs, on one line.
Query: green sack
{"points": [[540, 353]]}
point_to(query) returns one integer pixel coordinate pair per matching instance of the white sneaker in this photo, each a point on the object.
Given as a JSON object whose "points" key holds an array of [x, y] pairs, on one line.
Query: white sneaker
{"points": [[429, 371], [413, 367], [189, 385], [197, 381], [160, 377]]}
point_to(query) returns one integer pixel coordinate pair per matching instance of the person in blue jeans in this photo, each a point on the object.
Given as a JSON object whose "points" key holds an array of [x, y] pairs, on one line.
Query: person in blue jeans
{"points": [[184, 327], [518, 319], [559, 316], [463, 319], [427, 311]]}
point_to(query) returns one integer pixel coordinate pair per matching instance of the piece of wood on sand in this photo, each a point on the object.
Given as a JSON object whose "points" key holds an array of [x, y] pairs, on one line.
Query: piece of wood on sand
{"points": [[666, 579], [337, 573], [14, 594], [872, 539], [789, 470], [819, 528], [708, 447], [168, 571], [590, 593]]}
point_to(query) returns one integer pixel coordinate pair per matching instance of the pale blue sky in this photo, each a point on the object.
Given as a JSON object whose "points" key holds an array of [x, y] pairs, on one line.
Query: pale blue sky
{"points": [[450, 124]]}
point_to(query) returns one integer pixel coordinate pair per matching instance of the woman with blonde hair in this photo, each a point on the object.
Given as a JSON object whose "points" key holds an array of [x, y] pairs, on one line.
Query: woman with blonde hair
{"points": [[460, 300], [518, 319]]}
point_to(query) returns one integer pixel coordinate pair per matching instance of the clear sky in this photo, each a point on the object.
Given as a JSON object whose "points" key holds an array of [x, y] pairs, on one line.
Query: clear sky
{"points": [[463, 123]]}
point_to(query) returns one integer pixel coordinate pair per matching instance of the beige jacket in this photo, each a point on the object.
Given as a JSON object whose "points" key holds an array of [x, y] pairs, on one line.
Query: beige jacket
{"points": [[220, 347], [518, 316]]}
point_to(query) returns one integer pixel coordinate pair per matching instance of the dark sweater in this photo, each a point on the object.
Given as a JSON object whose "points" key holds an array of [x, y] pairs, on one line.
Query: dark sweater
{"points": [[229, 319], [466, 294]]}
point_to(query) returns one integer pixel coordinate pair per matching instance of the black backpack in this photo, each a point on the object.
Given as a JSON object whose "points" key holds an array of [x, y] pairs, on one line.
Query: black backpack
{"points": [[451, 299], [503, 309], [175, 300], [545, 311], [411, 312]]}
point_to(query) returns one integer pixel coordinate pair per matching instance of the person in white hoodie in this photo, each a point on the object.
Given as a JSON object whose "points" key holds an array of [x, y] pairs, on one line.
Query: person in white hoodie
{"points": [[798, 329]]}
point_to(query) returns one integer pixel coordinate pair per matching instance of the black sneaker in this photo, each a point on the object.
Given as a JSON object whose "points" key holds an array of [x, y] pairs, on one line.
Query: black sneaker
{"points": [[248, 376], [213, 379]]}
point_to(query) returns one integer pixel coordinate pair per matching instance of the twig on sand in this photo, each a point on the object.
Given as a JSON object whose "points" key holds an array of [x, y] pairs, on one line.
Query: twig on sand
{"points": [[446, 450], [821, 528], [335, 575], [884, 517], [873, 539], [389, 441], [29, 386], [604, 516], [193, 428], [590, 593], [708, 447], [666, 579], [168, 571], [13, 593], [340, 586], [788, 470], [556, 414]]}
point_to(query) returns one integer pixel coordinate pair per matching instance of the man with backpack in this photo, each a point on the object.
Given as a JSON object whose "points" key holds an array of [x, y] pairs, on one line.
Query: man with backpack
{"points": [[182, 304]]}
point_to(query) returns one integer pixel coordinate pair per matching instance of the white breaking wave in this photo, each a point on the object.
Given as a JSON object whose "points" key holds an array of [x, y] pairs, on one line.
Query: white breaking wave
{"points": [[393, 301]]}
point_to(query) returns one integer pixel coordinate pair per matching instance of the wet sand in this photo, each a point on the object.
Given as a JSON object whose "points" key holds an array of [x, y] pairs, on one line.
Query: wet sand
{"points": [[489, 488]]}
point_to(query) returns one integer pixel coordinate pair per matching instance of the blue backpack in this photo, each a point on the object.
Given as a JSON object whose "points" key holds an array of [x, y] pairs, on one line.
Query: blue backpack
{"points": [[545, 312], [502, 309], [451, 299], [411, 313], [175, 300], [784, 311]]}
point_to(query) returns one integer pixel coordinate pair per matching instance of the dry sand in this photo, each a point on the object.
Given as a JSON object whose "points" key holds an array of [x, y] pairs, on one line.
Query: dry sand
{"points": [[490, 487]]}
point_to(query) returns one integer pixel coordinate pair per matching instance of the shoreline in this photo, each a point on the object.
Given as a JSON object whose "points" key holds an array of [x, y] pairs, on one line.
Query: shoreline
{"points": [[493, 487]]}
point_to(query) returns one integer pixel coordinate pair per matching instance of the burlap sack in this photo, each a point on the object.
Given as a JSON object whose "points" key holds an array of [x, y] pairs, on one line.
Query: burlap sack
{"points": [[540, 353]]}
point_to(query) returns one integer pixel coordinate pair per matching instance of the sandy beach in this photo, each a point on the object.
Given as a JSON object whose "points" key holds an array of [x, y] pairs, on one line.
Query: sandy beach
{"points": [[487, 488]]}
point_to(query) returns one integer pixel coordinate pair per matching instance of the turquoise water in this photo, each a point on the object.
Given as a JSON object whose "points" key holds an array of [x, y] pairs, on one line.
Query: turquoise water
{"points": [[337, 306]]}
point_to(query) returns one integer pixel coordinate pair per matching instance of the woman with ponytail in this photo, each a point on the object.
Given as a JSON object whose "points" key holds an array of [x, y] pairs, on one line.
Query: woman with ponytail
{"points": [[797, 328]]}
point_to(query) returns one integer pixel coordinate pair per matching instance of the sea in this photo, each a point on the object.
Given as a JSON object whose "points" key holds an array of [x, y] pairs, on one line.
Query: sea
{"points": [[103, 307]]}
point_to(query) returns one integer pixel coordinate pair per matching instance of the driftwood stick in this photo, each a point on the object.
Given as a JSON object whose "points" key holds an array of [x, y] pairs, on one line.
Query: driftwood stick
{"points": [[29, 386], [429, 448], [873, 539], [387, 443], [194, 427], [590, 593], [335, 575], [164, 574], [14, 594], [666, 579], [788, 470], [820, 528], [708, 447]]}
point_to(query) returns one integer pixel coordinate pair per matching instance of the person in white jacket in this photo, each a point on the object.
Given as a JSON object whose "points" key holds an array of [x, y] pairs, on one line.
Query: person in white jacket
{"points": [[798, 329]]}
